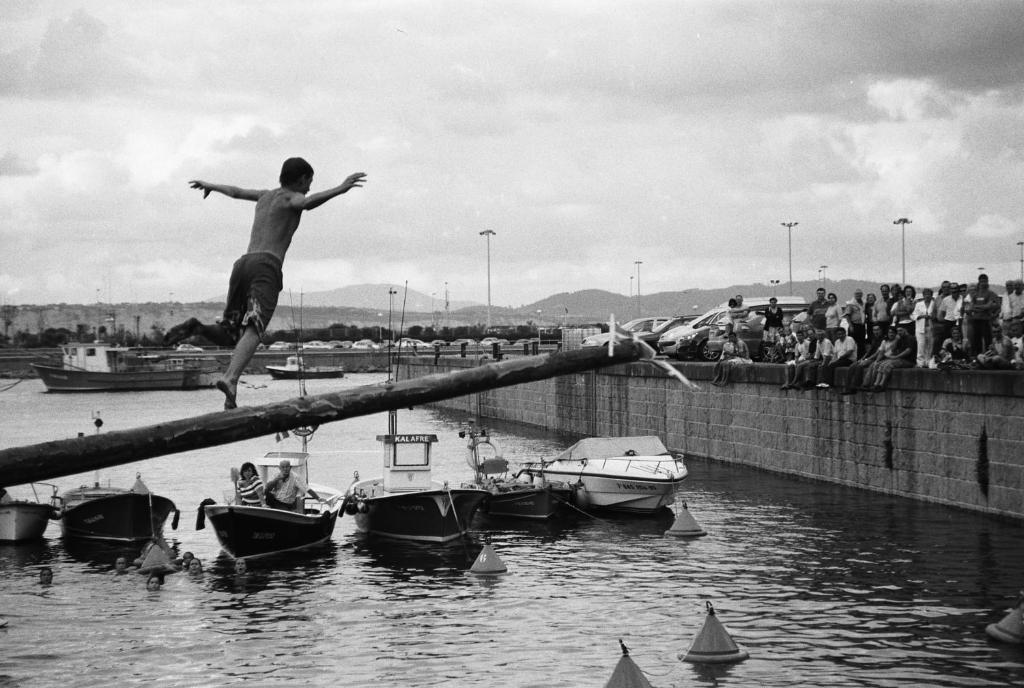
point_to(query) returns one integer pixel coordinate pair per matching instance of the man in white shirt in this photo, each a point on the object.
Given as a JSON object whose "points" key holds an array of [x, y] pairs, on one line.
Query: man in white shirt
{"points": [[844, 353]]}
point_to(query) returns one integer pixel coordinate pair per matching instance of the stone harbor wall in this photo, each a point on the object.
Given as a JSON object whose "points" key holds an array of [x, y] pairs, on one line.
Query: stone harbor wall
{"points": [[955, 438]]}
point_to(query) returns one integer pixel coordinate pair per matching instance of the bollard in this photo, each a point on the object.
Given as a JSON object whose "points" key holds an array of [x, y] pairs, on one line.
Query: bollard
{"points": [[462, 349]]}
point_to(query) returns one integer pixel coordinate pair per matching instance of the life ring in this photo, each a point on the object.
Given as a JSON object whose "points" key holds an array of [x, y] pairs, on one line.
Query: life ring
{"points": [[630, 452]]}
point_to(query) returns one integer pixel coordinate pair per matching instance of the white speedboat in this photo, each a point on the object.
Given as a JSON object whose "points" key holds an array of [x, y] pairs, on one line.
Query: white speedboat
{"points": [[630, 474]]}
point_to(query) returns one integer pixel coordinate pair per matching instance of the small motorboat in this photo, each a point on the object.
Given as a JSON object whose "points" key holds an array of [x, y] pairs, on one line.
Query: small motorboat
{"points": [[405, 503], [246, 532], [628, 474], [22, 520], [295, 368], [527, 494], [115, 513]]}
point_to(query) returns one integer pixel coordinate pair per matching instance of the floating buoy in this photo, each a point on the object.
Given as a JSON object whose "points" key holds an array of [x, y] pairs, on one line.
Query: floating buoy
{"points": [[627, 674], [156, 561], [713, 645], [1011, 628], [488, 562], [685, 525]]}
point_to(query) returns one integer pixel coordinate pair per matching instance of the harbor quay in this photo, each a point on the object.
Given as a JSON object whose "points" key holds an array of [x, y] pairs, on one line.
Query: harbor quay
{"points": [[954, 438]]}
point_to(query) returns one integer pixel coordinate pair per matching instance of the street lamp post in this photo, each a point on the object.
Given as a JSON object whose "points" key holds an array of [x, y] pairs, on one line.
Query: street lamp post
{"points": [[824, 277], [638, 263], [903, 222], [775, 284], [1021, 244], [488, 233], [789, 226]]}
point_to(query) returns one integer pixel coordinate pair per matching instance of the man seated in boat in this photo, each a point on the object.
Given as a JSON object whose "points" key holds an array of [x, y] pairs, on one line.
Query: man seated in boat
{"points": [[287, 491]]}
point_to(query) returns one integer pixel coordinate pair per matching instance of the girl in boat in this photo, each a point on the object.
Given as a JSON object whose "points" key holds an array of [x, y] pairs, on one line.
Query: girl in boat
{"points": [[250, 487]]}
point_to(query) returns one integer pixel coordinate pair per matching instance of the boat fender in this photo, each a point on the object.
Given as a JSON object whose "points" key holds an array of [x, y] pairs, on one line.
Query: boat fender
{"points": [[201, 515], [350, 507], [580, 496], [174, 521], [363, 507]]}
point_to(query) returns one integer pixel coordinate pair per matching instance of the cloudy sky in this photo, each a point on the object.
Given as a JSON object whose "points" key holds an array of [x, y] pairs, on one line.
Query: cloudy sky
{"points": [[587, 135]]}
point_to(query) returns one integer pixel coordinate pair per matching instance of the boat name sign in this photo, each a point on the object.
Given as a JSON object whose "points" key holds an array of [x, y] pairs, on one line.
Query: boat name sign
{"points": [[406, 439]]}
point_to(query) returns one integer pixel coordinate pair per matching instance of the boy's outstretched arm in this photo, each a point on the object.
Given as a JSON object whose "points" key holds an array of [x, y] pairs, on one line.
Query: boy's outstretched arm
{"points": [[230, 191], [318, 199]]}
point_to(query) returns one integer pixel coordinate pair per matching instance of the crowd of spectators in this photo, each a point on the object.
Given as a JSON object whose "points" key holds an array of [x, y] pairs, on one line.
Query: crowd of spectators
{"points": [[959, 326]]}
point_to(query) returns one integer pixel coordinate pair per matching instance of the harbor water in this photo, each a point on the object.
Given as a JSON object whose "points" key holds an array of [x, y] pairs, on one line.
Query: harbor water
{"points": [[822, 585]]}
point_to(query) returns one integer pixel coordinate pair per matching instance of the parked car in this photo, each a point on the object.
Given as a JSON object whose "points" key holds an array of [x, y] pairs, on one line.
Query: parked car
{"points": [[281, 346], [414, 344], [366, 344], [491, 341], [339, 344], [316, 344], [464, 340], [640, 326], [188, 347], [692, 340], [439, 342]]}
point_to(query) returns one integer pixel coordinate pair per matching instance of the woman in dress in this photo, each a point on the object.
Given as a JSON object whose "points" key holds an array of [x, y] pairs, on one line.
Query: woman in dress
{"points": [[903, 309], [250, 487]]}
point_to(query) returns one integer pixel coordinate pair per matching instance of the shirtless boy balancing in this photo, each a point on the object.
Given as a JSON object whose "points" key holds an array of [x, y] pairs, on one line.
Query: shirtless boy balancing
{"points": [[256, 278]]}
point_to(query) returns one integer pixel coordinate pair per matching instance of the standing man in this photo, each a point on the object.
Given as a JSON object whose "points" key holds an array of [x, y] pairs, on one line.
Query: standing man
{"points": [[817, 310], [924, 315], [854, 312], [983, 308], [256, 278], [287, 490]]}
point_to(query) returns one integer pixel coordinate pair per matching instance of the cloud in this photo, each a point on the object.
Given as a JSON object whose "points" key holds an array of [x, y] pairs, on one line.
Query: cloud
{"points": [[994, 227]]}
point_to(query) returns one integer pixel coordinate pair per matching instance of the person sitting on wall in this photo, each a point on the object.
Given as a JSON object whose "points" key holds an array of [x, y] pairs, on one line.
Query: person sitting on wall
{"points": [[802, 352], [857, 370], [955, 352], [844, 354], [903, 355], [734, 353], [999, 352]]}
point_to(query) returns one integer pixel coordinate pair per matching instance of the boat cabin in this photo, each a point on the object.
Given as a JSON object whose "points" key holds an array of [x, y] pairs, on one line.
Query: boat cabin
{"points": [[99, 357], [407, 462]]}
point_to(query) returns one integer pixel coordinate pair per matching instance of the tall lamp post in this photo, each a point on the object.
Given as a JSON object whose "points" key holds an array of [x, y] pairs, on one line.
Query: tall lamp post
{"points": [[903, 222], [775, 284], [1021, 244], [638, 263], [824, 277], [790, 226], [488, 233]]}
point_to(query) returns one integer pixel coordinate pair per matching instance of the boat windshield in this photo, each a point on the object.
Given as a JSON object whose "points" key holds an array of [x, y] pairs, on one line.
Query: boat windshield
{"points": [[610, 447]]}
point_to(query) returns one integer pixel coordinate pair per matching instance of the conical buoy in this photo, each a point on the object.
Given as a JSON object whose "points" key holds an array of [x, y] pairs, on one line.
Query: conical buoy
{"points": [[156, 561], [627, 674], [1011, 628], [488, 562], [685, 525], [713, 645]]}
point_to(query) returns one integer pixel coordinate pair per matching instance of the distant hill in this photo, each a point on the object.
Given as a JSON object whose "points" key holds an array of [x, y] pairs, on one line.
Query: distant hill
{"points": [[360, 305]]}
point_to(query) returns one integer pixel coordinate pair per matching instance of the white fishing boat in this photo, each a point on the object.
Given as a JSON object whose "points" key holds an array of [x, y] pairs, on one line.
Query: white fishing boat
{"points": [[102, 367], [295, 368], [629, 474], [22, 520]]}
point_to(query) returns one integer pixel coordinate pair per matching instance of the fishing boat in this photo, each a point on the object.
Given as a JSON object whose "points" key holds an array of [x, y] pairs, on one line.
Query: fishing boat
{"points": [[295, 368], [247, 532], [405, 502], [628, 474], [22, 520], [527, 494], [113, 513], [102, 367]]}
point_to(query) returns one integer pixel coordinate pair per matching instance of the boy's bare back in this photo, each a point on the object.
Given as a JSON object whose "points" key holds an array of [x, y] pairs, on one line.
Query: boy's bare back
{"points": [[278, 212]]}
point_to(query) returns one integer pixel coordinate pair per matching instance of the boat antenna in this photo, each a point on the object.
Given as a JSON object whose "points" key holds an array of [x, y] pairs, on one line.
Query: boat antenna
{"points": [[401, 327], [306, 431], [392, 414]]}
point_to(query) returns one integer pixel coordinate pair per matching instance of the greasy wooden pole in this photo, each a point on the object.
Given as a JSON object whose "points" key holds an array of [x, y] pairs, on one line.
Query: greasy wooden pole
{"points": [[20, 465]]}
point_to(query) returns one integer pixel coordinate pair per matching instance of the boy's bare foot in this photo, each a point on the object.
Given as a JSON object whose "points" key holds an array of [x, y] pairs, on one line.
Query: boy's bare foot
{"points": [[229, 394], [180, 333]]}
